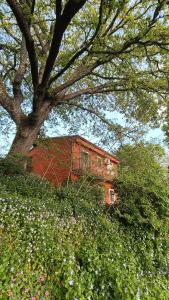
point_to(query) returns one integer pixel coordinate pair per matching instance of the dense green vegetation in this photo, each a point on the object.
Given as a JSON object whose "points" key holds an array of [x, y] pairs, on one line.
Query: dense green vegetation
{"points": [[143, 184], [61, 244], [64, 244], [81, 64]]}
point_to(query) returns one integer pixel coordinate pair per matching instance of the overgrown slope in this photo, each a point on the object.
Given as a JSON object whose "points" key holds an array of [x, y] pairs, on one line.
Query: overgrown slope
{"points": [[63, 244]]}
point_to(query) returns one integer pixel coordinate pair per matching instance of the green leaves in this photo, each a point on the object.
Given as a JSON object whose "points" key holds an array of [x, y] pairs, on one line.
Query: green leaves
{"points": [[124, 42], [94, 256], [143, 186]]}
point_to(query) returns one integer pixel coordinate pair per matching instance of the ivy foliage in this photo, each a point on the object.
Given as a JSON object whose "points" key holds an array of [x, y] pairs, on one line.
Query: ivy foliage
{"points": [[64, 244]]}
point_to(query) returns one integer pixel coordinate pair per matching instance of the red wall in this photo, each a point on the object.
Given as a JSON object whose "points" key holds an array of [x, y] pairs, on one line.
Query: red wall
{"points": [[57, 159], [105, 179], [52, 160], [79, 146]]}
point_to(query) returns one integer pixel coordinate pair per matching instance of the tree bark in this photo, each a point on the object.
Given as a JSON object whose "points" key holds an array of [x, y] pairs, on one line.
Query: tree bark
{"points": [[24, 139], [28, 129]]}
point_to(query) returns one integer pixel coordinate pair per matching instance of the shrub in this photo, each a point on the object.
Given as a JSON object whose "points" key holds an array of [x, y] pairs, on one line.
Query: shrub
{"points": [[27, 185], [141, 205], [82, 198], [14, 164]]}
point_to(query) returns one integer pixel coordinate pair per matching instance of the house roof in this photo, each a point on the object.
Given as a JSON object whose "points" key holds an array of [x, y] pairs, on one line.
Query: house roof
{"points": [[89, 144]]}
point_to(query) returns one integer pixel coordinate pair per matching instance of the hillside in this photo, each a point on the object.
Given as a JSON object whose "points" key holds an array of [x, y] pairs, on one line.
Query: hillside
{"points": [[63, 244]]}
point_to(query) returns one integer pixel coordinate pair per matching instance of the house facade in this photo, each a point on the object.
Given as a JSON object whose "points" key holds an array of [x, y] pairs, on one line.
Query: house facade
{"points": [[67, 158]]}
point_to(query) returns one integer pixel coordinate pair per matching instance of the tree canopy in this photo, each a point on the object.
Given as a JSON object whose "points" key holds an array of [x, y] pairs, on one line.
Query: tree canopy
{"points": [[58, 58], [143, 162]]}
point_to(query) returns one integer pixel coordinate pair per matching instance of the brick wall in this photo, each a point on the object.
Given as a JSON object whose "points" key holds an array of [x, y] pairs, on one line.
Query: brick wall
{"points": [[52, 160]]}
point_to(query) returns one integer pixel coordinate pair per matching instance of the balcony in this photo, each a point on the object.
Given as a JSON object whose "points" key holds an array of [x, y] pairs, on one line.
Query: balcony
{"points": [[90, 168]]}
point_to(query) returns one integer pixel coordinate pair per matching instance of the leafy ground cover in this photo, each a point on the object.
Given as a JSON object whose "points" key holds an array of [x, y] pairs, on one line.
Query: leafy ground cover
{"points": [[63, 244]]}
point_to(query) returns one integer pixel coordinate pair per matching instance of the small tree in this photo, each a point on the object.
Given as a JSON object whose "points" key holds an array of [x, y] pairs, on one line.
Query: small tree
{"points": [[142, 162], [143, 185]]}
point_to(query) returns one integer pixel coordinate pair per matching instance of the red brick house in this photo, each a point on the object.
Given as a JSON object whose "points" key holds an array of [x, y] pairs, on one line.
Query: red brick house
{"points": [[67, 158]]}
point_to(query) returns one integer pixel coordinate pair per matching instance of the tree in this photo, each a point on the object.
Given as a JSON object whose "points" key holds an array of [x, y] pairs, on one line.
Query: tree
{"points": [[93, 56], [143, 185], [143, 163]]}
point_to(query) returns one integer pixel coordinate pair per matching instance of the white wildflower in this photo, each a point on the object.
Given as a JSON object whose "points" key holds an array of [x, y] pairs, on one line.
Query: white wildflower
{"points": [[71, 282]]}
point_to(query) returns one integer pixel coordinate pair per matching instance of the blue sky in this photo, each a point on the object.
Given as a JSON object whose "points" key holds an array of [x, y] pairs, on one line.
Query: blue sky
{"points": [[153, 136]]}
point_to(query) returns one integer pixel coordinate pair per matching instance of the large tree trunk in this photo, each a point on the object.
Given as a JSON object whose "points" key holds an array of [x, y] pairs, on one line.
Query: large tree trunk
{"points": [[24, 139], [28, 130], [18, 160]]}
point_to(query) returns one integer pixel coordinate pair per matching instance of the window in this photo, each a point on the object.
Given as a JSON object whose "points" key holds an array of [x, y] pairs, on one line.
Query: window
{"points": [[110, 169], [85, 160], [112, 196], [99, 164]]}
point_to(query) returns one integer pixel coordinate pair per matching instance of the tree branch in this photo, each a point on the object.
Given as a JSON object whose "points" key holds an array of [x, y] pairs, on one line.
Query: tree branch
{"points": [[91, 111], [117, 128], [137, 38], [62, 22], [20, 72], [112, 22], [24, 27], [58, 8], [8, 104], [103, 88], [121, 23], [32, 7], [83, 49], [79, 74], [10, 33], [108, 77]]}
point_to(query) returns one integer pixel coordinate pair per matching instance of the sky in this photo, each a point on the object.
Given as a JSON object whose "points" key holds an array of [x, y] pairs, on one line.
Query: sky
{"points": [[153, 136]]}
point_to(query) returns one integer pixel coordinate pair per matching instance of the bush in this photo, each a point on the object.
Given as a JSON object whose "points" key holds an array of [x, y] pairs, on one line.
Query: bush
{"points": [[141, 205], [74, 200], [81, 198], [27, 185], [14, 164]]}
